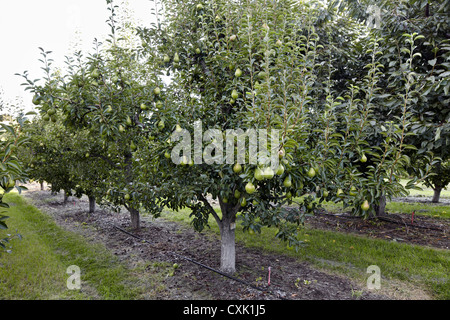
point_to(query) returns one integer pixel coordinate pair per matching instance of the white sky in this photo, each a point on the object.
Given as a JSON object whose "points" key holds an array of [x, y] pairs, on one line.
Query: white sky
{"points": [[26, 25]]}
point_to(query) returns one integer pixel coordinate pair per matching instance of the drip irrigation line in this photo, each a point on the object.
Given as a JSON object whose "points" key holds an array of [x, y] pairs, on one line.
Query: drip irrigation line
{"points": [[203, 265], [410, 224], [384, 219]]}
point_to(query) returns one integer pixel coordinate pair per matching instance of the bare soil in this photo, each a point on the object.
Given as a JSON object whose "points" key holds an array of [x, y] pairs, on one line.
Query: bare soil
{"points": [[168, 242], [418, 230]]}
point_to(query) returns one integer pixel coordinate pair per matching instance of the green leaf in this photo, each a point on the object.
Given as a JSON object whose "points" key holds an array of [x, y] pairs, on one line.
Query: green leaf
{"points": [[444, 74], [432, 62], [9, 129], [438, 134]]}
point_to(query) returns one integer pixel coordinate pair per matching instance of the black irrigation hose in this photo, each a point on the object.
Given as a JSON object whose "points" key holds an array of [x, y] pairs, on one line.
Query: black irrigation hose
{"points": [[410, 224], [205, 266], [384, 219]]}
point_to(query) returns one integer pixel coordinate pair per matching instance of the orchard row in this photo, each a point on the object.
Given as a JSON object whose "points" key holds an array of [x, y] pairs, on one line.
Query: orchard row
{"points": [[344, 109]]}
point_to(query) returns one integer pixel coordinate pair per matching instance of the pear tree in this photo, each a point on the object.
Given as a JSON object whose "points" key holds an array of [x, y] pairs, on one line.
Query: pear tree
{"points": [[249, 116], [108, 95], [13, 171], [260, 66]]}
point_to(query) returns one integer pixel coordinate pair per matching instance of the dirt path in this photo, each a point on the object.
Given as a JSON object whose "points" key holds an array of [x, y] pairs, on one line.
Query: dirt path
{"points": [[290, 279], [443, 201]]}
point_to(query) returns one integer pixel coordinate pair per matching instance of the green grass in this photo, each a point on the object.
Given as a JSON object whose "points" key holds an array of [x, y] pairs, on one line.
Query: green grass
{"points": [[36, 267], [350, 255], [424, 209]]}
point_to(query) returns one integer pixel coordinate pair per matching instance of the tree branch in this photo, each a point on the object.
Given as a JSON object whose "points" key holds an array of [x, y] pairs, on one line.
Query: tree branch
{"points": [[211, 209], [109, 161], [207, 71]]}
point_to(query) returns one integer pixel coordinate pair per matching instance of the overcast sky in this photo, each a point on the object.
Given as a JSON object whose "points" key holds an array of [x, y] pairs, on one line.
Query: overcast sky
{"points": [[26, 25]]}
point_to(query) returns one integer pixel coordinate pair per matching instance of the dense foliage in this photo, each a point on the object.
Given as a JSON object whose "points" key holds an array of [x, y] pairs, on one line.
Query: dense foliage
{"points": [[12, 172], [337, 104], [430, 77]]}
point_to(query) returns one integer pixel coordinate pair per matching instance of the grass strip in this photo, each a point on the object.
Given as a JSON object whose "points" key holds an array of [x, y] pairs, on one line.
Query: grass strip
{"points": [[37, 265]]}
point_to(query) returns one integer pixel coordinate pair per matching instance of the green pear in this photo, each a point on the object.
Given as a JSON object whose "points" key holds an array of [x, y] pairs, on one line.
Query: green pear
{"points": [[268, 173], [365, 205], [363, 158], [250, 188], [311, 173], [287, 182], [258, 174], [237, 168], [176, 58], [280, 170]]}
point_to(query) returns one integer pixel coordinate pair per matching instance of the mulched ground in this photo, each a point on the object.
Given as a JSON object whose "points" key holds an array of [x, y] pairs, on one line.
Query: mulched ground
{"points": [[418, 230], [290, 278]]}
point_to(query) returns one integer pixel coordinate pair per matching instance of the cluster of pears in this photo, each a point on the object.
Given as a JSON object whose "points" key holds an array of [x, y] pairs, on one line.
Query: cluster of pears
{"points": [[50, 115], [353, 192], [176, 58], [237, 74], [158, 103], [262, 174], [95, 75]]}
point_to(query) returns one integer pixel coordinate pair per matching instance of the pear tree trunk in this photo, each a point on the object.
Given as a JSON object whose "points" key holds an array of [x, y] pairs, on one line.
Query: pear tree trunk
{"points": [[380, 208], [91, 204], [436, 195], [66, 197], [129, 177], [228, 243], [227, 226], [135, 218]]}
